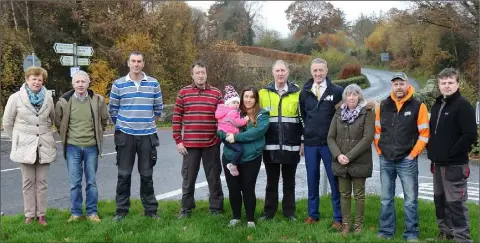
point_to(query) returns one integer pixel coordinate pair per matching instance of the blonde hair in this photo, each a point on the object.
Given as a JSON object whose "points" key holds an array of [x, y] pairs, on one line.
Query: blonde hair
{"points": [[36, 71]]}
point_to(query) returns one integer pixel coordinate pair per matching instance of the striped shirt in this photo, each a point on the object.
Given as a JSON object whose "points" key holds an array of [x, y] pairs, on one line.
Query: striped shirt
{"points": [[194, 111], [133, 106]]}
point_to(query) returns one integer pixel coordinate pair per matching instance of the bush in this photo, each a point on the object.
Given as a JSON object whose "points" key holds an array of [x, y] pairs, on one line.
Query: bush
{"points": [[350, 70], [335, 60], [275, 54], [361, 81], [428, 94]]}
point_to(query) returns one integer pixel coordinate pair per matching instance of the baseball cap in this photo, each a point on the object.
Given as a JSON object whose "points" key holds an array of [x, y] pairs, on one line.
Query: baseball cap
{"points": [[399, 75]]}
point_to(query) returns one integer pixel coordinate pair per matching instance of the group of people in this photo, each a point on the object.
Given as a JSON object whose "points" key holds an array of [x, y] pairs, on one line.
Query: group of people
{"points": [[278, 124]]}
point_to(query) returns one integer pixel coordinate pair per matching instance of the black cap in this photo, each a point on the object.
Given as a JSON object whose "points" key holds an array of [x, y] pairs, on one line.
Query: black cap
{"points": [[399, 75]]}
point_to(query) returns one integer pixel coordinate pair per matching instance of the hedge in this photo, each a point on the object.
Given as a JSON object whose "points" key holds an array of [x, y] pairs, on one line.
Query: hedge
{"points": [[361, 81]]}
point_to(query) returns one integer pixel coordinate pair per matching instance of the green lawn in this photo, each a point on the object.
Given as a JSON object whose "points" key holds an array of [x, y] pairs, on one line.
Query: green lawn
{"points": [[202, 227]]}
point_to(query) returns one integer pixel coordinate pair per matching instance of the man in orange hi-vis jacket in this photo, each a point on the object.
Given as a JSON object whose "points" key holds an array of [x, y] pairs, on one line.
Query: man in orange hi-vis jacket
{"points": [[401, 133]]}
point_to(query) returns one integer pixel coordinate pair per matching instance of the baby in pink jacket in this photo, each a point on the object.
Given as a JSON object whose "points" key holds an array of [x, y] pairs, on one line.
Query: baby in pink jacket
{"points": [[229, 120]]}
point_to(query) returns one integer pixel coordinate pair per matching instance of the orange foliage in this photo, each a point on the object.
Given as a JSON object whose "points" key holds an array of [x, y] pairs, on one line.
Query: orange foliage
{"points": [[350, 70]]}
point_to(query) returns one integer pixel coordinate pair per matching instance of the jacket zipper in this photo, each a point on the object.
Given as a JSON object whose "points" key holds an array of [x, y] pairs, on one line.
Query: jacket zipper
{"points": [[439, 114]]}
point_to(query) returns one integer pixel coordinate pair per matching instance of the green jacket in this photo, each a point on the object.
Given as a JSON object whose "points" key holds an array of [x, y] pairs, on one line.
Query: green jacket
{"points": [[252, 138]]}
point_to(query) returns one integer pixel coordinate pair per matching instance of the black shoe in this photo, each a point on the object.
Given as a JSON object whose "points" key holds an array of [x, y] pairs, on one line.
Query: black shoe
{"points": [[153, 216], [118, 217], [215, 213], [444, 236], [265, 217], [291, 218], [184, 215]]}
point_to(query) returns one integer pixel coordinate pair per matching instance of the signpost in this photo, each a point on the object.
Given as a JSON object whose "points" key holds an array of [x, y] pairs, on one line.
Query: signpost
{"points": [[384, 57], [73, 61]]}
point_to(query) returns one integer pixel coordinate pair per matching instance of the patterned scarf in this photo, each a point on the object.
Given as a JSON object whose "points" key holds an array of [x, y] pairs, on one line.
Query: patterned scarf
{"points": [[36, 99], [348, 115]]}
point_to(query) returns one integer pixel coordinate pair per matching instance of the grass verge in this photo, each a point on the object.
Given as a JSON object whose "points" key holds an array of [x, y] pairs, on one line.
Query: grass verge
{"points": [[202, 227]]}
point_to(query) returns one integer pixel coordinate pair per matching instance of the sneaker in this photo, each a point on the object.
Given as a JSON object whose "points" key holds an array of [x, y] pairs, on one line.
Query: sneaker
{"points": [[74, 218], [233, 222], [265, 217], [233, 169], [118, 217], [250, 224], [292, 218], [94, 218]]}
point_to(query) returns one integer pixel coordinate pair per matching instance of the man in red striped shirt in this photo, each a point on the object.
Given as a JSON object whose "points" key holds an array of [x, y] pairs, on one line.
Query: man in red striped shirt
{"points": [[194, 112]]}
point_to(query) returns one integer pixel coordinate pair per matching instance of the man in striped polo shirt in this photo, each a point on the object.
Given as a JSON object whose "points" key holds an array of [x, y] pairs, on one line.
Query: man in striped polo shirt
{"points": [[135, 104], [195, 112]]}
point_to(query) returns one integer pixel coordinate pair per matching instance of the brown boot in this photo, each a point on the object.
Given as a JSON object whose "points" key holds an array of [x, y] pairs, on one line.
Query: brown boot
{"points": [[345, 229], [358, 229], [29, 220], [42, 220]]}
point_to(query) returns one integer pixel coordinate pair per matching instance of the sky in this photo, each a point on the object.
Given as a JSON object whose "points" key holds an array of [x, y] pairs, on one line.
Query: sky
{"points": [[274, 17]]}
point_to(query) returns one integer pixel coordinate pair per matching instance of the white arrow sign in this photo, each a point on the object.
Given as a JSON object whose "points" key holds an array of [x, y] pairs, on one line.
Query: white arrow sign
{"points": [[63, 48], [66, 60], [86, 51], [83, 61]]}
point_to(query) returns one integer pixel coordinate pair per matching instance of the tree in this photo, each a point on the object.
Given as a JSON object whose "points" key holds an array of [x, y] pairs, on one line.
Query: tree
{"points": [[363, 27], [270, 39], [314, 17]]}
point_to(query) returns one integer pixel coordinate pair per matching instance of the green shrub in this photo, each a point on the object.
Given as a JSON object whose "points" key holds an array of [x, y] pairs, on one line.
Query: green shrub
{"points": [[361, 81], [428, 94]]}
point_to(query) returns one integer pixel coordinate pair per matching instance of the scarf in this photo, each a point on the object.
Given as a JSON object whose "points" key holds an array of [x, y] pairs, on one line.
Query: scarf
{"points": [[36, 99], [348, 115]]}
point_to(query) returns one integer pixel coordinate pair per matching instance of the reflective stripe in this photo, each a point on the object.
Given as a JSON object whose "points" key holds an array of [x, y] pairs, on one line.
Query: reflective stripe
{"points": [[377, 136], [285, 147], [285, 119], [423, 139], [377, 123], [423, 126]]}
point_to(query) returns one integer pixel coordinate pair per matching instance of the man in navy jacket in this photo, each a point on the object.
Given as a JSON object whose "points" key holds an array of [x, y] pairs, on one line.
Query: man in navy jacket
{"points": [[317, 106]]}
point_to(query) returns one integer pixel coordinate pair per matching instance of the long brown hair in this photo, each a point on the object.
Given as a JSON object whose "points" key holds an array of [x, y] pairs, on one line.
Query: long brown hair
{"points": [[256, 107]]}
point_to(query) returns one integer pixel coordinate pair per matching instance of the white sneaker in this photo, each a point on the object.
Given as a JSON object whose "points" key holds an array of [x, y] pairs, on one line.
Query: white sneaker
{"points": [[233, 222], [251, 224]]}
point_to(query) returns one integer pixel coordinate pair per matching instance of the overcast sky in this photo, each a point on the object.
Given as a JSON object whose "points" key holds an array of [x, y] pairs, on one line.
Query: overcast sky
{"points": [[274, 16]]}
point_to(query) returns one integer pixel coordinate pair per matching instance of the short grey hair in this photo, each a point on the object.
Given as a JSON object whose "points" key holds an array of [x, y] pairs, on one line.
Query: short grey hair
{"points": [[82, 73], [320, 61], [280, 62], [353, 88]]}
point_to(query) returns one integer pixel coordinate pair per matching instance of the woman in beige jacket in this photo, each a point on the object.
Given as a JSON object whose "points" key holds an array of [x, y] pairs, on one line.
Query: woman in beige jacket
{"points": [[28, 120]]}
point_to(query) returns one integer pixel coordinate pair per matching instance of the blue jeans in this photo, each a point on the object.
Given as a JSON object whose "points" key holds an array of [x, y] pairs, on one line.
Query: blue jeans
{"points": [[407, 170], [80, 160], [313, 155]]}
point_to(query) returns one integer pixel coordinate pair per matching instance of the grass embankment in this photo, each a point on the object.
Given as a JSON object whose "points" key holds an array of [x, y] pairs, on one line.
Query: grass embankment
{"points": [[202, 227]]}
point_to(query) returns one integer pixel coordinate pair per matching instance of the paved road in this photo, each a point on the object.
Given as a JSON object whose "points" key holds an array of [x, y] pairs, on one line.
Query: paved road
{"points": [[167, 171]]}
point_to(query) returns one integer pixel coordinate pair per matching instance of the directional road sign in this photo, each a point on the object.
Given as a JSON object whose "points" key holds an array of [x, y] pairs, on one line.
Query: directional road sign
{"points": [[63, 48], [84, 51], [83, 61], [31, 61], [66, 60]]}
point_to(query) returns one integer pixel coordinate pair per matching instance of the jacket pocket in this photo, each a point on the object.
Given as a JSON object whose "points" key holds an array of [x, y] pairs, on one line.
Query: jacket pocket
{"points": [[454, 173]]}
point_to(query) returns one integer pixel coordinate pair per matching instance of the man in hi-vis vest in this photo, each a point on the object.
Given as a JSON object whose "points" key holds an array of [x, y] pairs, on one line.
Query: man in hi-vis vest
{"points": [[283, 140]]}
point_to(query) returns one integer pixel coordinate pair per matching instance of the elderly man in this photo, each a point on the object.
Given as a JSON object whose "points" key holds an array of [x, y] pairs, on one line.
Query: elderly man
{"points": [[401, 133], [283, 140], [453, 120], [81, 116], [317, 106]]}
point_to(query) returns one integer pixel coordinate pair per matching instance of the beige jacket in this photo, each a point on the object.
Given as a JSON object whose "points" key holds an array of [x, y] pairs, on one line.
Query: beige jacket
{"points": [[30, 130], [99, 111]]}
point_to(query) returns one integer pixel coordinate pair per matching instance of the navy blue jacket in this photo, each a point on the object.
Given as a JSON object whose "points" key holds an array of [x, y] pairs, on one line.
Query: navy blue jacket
{"points": [[317, 115]]}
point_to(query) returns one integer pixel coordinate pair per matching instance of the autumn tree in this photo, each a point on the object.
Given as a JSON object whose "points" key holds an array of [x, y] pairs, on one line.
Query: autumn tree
{"points": [[312, 18]]}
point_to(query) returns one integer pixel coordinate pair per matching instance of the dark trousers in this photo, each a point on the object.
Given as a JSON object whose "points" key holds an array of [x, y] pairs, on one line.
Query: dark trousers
{"points": [[243, 186], [210, 156], [144, 146], [450, 195], [271, 195], [237, 149]]}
